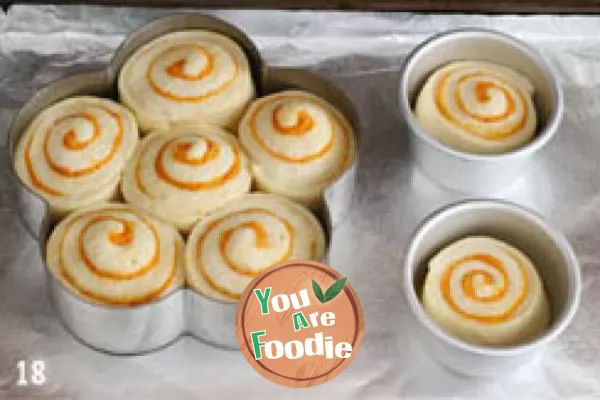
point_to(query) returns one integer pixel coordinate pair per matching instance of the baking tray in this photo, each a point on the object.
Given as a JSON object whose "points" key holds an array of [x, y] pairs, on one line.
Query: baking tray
{"points": [[143, 328], [361, 53]]}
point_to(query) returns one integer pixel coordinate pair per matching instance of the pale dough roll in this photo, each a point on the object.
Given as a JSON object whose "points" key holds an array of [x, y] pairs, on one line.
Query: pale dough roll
{"points": [[486, 292], [73, 152], [299, 144], [191, 75], [183, 173], [478, 107], [247, 236], [116, 255]]}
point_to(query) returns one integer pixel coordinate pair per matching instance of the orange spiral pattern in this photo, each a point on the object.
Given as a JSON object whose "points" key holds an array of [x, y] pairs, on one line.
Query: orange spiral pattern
{"points": [[299, 144], [192, 75], [181, 155], [454, 85], [97, 282], [178, 151], [468, 287], [303, 125], [184, 173], [72, 143], [261, 242], [171, 64], [123, 237], [241, 239]]}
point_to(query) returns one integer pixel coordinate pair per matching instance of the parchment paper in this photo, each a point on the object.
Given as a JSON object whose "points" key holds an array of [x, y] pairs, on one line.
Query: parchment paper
{"points": [[362, 53]]}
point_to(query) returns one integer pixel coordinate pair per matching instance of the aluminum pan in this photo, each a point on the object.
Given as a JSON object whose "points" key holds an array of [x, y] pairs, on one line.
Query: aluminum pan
{"points": [[140, 329]]}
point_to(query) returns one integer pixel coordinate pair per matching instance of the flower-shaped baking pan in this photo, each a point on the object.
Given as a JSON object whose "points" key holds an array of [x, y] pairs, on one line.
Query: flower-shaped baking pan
{"points": [[143, 328]]}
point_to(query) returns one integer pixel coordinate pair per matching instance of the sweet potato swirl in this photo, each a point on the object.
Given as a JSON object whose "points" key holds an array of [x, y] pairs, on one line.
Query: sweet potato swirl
{"points": [[299, 144], [486, 280], [247, 236], [73, 152], [191, 72], [478, 107], [187, 76], [181, 174], [113, 254], [486, 292]]}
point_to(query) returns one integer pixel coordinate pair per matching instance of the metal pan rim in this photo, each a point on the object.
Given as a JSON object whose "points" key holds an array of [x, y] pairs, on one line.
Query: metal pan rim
{"points": [[542, 137]]}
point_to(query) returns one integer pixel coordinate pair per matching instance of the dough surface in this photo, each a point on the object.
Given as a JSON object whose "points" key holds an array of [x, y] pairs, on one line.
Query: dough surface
{"points": [[299, 144], [116, 255], [247, 236], [73, 152], [478, 107], [183, 173], [486, 292], [191, 75]]}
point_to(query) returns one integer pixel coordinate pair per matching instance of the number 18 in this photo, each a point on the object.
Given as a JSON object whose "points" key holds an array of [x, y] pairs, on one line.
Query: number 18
{"points": [[37, 374]]}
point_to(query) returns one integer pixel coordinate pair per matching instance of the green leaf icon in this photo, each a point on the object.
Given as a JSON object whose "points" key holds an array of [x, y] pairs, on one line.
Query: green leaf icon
{"points": [[331, 292], [318, 291], [334, 290]]}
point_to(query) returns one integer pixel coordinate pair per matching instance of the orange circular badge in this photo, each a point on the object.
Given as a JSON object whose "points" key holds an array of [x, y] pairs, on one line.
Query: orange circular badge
{"points": [[299, 323]]}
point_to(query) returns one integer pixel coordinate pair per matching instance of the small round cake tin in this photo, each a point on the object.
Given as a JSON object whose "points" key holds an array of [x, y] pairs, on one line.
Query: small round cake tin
{"points": [[549, 250], [143, 328], [468, 172]]}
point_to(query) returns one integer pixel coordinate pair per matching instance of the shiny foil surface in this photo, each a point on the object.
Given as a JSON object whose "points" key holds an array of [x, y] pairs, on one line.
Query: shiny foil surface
{"points": [[362, 53]]}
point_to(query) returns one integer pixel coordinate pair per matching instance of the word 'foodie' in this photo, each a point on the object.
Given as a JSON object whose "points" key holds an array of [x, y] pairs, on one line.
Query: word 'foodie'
{"points": [[318, 345]]}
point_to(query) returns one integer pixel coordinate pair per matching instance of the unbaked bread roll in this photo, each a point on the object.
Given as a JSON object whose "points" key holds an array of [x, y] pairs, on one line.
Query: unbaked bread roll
{"points": [[114, 254], [247, 236], [73, 152], [182, 173], [191, 75], [298, 143], [478, 107], [486, 292]]}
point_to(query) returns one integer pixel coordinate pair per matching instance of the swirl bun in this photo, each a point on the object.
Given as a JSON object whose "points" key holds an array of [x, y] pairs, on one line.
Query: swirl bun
{"points": [[247, 236], [113, 254], [299, 144], [486, 292], [73, 152], [181, 174], [478, 107], [191, 75]]}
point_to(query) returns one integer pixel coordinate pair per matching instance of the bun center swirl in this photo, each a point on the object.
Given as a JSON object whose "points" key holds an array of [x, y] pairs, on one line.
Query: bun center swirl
{"points": [[79, 136], [292, 120], [191, 72], [197, 163], [293, 129], [107, 235], [198, 153], [196, 66], [484, 288], [261, 242]]}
